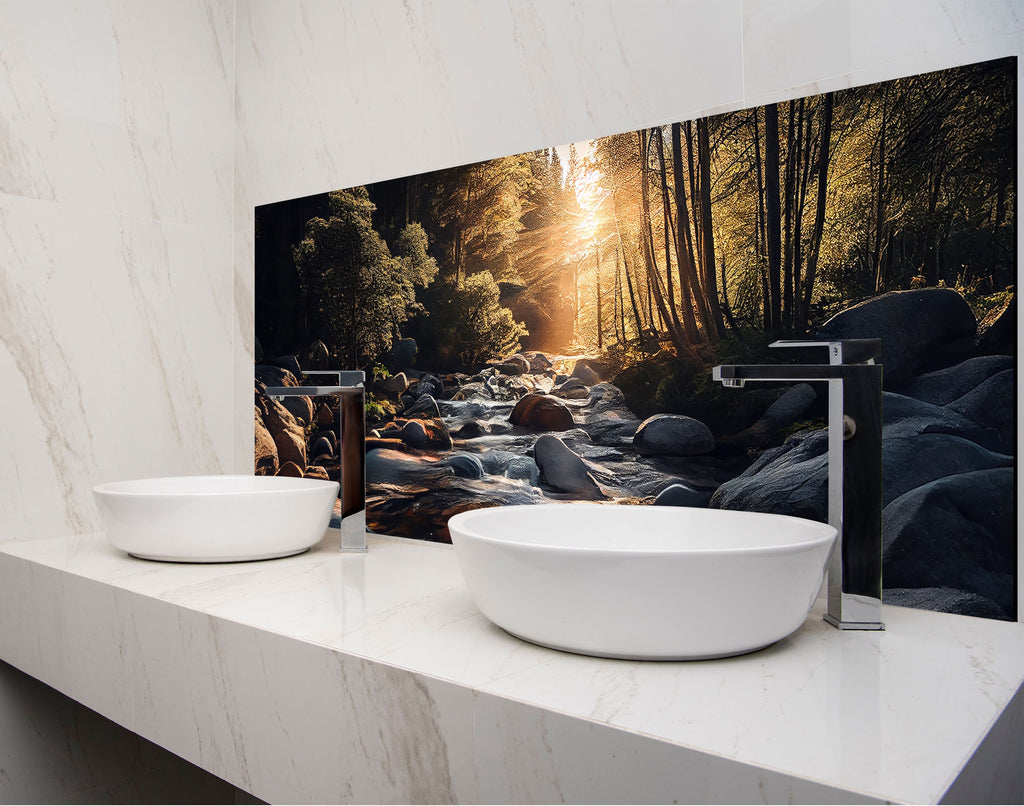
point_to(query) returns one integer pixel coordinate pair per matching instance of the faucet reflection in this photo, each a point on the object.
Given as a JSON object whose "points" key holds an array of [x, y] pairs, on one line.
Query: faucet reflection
{"points": [[349, 388], [854, 468]]}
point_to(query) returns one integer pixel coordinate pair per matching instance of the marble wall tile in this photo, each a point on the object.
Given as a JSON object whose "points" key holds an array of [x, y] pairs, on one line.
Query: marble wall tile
{"points": [[116, 338], [789, 48], [121, 106]]}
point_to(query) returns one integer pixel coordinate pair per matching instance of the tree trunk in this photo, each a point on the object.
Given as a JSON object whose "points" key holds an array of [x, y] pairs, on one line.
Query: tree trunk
{"points": [[688, 282], [792, 152], [707, 236], [880, 201], [688, 326], [824, 151], [597, 270], [773, 221]]}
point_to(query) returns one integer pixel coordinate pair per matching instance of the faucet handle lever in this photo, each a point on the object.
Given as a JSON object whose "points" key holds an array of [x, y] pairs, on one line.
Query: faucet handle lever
{"points": [[843, 351]]}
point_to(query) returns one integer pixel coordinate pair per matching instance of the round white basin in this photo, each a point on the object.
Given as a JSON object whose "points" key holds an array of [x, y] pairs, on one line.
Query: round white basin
{"points": [[642, 582], [209, 519]]}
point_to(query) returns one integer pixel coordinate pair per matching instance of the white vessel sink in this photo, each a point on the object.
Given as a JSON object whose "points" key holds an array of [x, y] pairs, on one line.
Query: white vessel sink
{"points": [[210, 519], [642, 582]]}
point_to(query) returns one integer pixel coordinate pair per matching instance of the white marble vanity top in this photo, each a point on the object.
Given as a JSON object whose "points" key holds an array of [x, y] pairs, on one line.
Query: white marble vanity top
{"points": [[235, 666]]}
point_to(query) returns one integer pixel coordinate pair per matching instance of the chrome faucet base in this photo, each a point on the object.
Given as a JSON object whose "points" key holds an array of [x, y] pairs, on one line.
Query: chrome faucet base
{"points": [[853, 625]]}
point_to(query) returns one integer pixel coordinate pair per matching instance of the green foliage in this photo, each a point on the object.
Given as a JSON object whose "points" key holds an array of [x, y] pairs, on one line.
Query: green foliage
{"points": [[357, 294], [470, 325]]}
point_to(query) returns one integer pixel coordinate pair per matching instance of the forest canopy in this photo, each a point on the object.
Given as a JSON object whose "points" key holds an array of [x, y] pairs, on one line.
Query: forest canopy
{"points": [[755, 224]]}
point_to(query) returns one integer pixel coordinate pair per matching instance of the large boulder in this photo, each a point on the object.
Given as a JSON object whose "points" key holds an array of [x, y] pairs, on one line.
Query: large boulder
{"points": [[301, 408], [946, 385], [673, 435], [291, 447], [541, 413], [428, 385], [563, 469], [424, 406], [905, 416], [921, 330], [911, 461], [513, 365], [273, 375], [393, 386], [992, 404], [788, 480], [795, 402], [957, 532]]}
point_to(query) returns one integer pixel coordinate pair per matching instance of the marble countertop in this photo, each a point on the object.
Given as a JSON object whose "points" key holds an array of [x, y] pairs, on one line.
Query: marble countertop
{"points": [[235, 665]]}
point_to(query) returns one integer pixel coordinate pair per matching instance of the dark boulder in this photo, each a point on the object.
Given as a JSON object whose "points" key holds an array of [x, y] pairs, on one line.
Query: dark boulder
{"points": [[673, 435], [905, 416], [789, 480], [424, 406], [465, 465], [425, 435], [957, 532], [794, 403], [321, 447], [541, 413], [992, 404], [564, 470], [403, 353], [921, 330], [946, 385], [272, 375], [428, 385], [266, 450], [290, 469], [301, 408], [513, 365], [316, 472], [393, 386], [681, 495], [911, 461], [572, 389]]}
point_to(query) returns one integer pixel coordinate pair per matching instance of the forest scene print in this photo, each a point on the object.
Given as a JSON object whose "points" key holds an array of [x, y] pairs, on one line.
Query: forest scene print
{"points": [[542, 327]]}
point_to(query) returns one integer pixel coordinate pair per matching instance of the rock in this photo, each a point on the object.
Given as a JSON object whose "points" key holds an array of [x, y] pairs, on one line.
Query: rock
{"points": [[921, 330], [290, 469], [997, 332], [786, 410], [428, 385], [680, 495], [393, 386], [564, 470], [428, 434], [301, 408], [572, 389], [524, 468], [289, 363], [539, 363], [317, 472], [789, 480], [321, 447], [944, 600], [992, 405], [324, 416], [513, 365], [465, 465], [271, 375], [291, 447], [424, 406], [673, 435], [585, 374], [541, 413], [911, 461], [266, 450], [903, 416], [946, 385], [957, 532]]}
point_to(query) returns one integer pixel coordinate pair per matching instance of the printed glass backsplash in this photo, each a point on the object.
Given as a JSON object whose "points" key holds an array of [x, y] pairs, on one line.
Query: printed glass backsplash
{"points": [[542, 327]]}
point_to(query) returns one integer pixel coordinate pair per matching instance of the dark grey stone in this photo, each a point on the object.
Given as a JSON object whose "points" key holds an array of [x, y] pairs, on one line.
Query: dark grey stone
{"points": [[680, 495], [673, 435], [563, 469]]}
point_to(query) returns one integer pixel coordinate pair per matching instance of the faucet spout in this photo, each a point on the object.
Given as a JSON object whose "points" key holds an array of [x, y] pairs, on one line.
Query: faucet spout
{"points": [[854, 468]]}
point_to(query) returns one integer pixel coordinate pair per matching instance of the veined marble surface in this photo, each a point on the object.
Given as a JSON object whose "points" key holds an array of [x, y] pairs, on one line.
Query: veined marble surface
{"points": [[373, 678]]}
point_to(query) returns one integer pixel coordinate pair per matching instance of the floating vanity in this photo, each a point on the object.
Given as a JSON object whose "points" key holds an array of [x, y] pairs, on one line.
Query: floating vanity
{"points": [[372, 678]]}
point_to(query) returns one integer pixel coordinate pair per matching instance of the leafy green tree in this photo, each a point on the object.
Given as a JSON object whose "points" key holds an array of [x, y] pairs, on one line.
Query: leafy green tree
{"points": [[357, 294], [470, 325]]}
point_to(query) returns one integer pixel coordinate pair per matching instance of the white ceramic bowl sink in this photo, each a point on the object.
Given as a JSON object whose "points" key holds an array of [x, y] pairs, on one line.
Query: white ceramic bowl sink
{"points": [[642, 582], [210, 519]]}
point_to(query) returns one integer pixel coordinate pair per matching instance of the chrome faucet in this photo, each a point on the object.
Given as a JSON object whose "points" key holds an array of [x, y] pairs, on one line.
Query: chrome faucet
{"points": [[349, 387], [854, 468]]}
